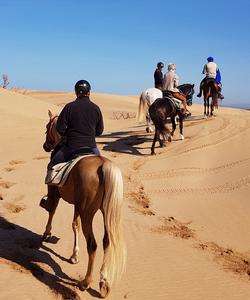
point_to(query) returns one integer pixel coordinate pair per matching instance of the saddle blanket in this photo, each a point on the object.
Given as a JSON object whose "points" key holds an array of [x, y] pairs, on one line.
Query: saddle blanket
{"points": [[176, 102], [60, 172]]}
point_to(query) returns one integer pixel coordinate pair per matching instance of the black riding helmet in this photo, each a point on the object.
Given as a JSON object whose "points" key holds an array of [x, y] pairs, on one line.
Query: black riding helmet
{"points": [[160, 64], [82, 87]]}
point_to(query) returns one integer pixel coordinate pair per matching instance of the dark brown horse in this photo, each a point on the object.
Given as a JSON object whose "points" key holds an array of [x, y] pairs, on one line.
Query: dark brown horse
{"points": [[164, 108], [210, 90], [94, 183]]}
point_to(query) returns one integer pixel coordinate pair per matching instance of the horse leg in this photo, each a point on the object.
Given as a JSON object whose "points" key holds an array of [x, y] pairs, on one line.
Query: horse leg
{"points": [[211, 108], [103, 284], [173, 125], [205, 106], [156, 137], [212, 105], [208, 107], [149, 123], [162, 142], [75, 226], [54, 196], [181, 127], [86, 220]]}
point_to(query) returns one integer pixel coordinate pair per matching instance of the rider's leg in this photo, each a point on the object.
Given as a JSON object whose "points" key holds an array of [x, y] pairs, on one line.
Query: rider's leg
{"points": [[183, 100], [48, 202], [219, 91], [201, 85]]}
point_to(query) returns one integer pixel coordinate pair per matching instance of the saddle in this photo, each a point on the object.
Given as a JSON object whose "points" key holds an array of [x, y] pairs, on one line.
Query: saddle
{"points": [[60, 172], [175, 103]]}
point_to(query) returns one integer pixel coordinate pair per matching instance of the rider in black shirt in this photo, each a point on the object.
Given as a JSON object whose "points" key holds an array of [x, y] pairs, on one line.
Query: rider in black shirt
{"points": [[79, 123], [158, 75]]}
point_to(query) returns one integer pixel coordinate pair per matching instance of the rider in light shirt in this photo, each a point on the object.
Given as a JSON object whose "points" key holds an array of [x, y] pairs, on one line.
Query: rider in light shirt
{"points": [[211, 70], [170, 84]]}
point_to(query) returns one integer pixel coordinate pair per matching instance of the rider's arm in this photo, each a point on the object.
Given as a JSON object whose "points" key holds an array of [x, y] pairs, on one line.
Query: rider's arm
{"points": [[99, 126], [62, 122], [204, 71], [176, 81]]}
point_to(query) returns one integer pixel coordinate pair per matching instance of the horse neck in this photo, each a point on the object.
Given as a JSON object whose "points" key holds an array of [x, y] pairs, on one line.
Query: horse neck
{"points": [[185, 88], [53, 131]]}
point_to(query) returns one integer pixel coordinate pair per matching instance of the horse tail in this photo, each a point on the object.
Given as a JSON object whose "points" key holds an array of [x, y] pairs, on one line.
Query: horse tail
{"points": [[115, 254], [142, 108]]}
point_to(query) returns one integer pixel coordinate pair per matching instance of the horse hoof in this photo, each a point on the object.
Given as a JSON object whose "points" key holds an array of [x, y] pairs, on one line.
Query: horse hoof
{"points": [[83, 286], [153, 153], [170, 138], [46, 237], [149, 130], [182, 137], [74, 260], [104, 288]]}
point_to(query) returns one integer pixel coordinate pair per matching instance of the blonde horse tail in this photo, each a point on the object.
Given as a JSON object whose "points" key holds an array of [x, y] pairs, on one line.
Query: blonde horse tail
{"points": [[142, 109], [115, 254]]}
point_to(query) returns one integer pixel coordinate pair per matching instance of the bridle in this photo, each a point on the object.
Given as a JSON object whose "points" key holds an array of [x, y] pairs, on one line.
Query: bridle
{"points": [[52, 136], [189, 95]]}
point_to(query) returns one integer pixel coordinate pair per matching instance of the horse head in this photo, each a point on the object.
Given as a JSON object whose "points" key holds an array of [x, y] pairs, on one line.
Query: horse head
{"points": [[188, 91], [52, 136]]}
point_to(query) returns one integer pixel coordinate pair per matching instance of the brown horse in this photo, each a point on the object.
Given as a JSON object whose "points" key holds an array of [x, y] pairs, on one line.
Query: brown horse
{"points": [[94, 183], [210, 89]]}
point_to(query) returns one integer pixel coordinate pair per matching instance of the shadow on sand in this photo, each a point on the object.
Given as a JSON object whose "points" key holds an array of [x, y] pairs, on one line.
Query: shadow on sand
{"points": [[126, 141], [24, 251]]}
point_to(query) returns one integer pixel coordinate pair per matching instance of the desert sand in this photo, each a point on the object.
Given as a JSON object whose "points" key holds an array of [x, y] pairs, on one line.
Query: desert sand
{"points": [[185, 214]]}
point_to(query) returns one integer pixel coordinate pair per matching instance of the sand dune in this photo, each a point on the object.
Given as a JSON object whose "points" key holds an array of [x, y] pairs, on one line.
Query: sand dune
{"points": [[186, 209]]}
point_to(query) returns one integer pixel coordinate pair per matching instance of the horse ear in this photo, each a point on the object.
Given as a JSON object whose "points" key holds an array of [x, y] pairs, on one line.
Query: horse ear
{"points": [[193, 85], [50, 114]]}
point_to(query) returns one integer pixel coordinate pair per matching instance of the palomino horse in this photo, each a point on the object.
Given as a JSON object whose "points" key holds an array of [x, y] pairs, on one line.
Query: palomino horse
{"points": [[146, 99], [94, 183], [210, 89], [164, 108]]}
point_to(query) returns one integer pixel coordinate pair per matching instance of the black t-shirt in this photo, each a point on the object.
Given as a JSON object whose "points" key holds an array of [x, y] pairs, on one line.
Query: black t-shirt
{"points": [[158, 76], [80, 122]]}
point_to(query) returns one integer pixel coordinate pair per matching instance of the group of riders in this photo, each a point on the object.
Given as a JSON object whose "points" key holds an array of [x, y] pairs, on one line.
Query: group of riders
{"points": [[169, 82], [81, 120]]}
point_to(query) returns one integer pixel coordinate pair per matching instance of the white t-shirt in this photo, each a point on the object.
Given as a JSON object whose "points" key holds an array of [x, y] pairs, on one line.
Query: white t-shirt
{"points": [[210, 70]]}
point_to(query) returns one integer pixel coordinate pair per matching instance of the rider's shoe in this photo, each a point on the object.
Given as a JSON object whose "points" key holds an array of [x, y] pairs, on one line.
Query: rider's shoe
{"points": [[44, 203], [220, 96], [50, 201], [185, 114], [199, 95]]}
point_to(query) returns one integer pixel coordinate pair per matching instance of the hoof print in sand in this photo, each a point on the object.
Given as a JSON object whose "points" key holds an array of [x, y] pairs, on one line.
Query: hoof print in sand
{"points": [[140, 201], [9, 169], [16, 162], [6, 184], [41, 157], [238, 263], [14, 208], [176, 228]]}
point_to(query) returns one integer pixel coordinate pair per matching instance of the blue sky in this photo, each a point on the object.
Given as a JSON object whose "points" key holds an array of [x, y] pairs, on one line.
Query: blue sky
{"points": [[115, 45]]}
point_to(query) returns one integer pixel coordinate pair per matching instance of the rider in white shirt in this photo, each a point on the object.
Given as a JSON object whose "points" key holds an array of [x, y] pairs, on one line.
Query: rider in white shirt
{"points": [[211, 70], [170, 84]]}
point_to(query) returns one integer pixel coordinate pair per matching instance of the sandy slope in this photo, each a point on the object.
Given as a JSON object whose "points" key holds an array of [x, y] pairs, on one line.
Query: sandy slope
{"points": [[186, 210]]}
